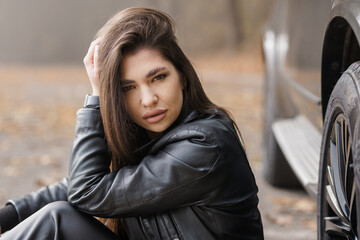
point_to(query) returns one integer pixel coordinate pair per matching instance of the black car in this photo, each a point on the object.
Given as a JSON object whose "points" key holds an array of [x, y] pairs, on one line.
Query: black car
{"points": [[312, 107]]}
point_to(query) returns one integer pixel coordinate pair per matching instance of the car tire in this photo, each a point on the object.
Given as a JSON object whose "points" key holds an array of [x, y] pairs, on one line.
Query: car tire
{"points": [[337, 197]]}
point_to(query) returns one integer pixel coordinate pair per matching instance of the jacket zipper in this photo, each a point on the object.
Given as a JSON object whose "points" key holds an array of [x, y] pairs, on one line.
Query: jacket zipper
{"points": [[170, 226]]}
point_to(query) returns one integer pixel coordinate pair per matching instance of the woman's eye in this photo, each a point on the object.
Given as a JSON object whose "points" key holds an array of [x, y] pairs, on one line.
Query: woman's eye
{"points": [[159, 77], [127, 88]]}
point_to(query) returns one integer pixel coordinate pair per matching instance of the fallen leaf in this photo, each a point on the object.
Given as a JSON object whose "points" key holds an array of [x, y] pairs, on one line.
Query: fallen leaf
{"points": [[45, 181], [305, 205], [281, 220], [283, 200], [310, 224], [11, 171]]}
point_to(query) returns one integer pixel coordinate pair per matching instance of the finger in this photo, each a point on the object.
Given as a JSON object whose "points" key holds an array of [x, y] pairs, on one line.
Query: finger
{"points": [[90, 54], [97, 41], [96, 61]]}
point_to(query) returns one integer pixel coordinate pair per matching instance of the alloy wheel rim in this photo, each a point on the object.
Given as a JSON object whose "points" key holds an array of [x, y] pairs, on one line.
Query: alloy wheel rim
{"points": [[338, 203]]}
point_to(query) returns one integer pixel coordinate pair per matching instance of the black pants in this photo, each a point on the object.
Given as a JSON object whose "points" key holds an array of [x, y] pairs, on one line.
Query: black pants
{"points": [[59, 220]]}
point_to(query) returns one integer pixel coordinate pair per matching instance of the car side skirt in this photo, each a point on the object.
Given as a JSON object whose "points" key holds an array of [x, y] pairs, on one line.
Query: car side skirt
{"points": [[300, 142]]}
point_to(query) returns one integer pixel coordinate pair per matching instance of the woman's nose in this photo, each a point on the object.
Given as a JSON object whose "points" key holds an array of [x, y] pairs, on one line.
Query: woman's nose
{"points": [[148, 97]]}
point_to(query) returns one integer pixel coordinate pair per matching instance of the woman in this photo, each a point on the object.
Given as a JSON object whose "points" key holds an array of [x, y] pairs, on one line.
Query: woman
{"points": [[152, 156]]}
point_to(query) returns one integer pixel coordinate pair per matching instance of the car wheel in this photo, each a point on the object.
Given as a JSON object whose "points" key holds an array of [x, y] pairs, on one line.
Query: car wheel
{"points": [[337, 218]]}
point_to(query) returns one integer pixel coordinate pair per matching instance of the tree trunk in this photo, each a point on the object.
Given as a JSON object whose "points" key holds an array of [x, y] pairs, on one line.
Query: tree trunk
{"points": [[235, 34]]}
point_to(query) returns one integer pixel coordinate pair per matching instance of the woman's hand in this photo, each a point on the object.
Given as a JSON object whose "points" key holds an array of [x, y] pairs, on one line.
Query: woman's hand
{"points": [[91, 62]]}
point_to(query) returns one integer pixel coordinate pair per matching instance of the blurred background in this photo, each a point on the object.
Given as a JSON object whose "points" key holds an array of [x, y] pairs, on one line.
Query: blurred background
{"points": [[43, 83], [53, 32]]}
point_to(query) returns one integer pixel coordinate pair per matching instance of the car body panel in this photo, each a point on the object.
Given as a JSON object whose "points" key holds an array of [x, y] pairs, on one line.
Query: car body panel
{"points": [[307, 46], [308, 74]]}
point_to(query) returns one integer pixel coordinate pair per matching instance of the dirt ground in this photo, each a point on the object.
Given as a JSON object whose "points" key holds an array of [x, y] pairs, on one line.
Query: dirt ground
{"points": [[37, 117]]}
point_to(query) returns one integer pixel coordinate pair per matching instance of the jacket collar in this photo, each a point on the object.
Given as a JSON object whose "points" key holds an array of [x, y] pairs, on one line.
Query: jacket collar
{"points": [[143, 150]]}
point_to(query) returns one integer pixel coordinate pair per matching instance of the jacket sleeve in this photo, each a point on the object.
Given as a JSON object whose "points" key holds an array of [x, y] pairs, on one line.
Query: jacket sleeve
{"points": [[181, 173], [30, 203]]}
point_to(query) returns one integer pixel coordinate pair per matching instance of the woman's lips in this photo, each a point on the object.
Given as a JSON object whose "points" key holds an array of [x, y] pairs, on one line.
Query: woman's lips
{"points": [[155, 115]]}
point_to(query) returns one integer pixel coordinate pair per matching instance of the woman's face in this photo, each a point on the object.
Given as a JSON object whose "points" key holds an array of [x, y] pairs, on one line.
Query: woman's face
{"points": [[153, 90]]}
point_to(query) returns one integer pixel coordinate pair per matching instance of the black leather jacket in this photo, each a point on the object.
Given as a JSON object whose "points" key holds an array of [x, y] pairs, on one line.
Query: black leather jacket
{"points": [[192, 183]]}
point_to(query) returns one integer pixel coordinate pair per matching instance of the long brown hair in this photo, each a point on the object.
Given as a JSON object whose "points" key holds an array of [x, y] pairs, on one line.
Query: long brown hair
{"points": [[124, 33]]}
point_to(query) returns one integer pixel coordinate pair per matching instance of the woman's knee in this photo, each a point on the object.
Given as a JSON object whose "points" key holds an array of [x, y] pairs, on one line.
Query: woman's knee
{"points": [[59, 207], [44, 223]]}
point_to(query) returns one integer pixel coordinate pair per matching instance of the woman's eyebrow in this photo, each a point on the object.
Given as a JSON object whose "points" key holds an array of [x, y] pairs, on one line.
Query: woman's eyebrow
{"points": [[149, 74], [155, 71], [125, 82]]}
